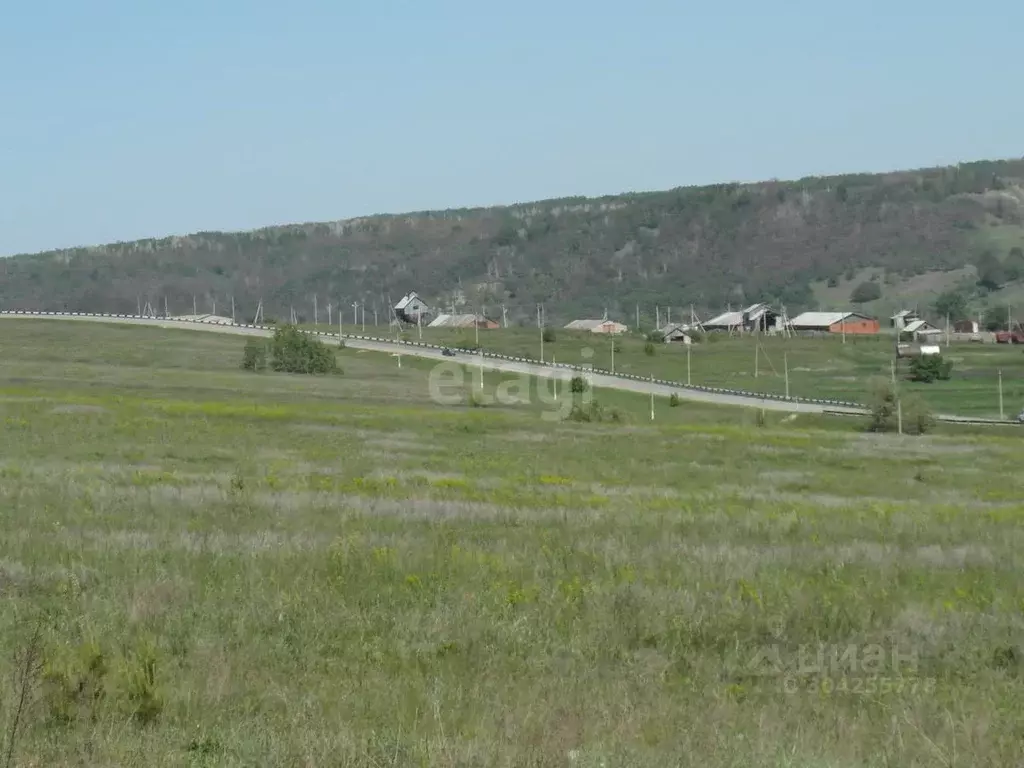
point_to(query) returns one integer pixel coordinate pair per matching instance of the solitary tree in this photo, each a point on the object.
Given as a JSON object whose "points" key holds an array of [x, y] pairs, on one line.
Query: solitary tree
{"points": [[864, 292]]}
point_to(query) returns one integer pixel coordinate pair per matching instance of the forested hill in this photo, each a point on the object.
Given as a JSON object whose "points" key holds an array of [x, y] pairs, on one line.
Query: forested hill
{"points": [[707, 246]]}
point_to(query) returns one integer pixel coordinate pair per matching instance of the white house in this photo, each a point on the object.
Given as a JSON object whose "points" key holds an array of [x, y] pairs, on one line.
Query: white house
{"points": [[411, 308]]}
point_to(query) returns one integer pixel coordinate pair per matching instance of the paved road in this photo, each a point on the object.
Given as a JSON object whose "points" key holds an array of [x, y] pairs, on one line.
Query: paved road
{"points": [[510, 366]]}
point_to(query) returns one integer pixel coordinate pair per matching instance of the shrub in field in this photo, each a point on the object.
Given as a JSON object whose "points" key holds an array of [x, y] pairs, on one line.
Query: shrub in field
{"points": [[887, 405], [578, 385], [254, 357], [548, 335], [696, 336], [654, 336], [292, 351], [594, 412], [929, 368], [673, 400], [649, 349]]}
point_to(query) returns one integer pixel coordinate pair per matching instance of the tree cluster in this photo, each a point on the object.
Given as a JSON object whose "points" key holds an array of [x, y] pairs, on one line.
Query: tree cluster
{"points": [[289, 351], [929, 368]]}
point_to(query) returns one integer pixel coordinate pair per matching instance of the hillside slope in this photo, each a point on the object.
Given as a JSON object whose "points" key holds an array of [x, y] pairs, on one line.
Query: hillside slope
{"points": [[707, 246]]}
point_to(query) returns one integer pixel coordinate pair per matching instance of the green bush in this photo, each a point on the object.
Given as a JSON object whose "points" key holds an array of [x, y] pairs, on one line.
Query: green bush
{"points": [[595, 413], [885, 414], [548, 335], [929, 368], [673, 400], [649, 349], [254, 357], [292, 351], [578, 385]]}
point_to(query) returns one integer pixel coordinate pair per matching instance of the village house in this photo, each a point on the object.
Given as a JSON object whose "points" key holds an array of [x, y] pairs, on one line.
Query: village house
{"points": [[412, 309]]}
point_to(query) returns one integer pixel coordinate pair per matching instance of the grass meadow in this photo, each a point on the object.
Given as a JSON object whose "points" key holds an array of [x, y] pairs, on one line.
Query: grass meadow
{"points": [[232, 569], [822, 368]]}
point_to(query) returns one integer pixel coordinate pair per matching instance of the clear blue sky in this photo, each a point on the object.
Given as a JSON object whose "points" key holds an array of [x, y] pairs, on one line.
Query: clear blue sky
{"points": [[123, 119]]}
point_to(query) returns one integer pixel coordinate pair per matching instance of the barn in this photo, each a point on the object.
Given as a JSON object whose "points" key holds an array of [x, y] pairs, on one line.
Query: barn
{"points": [[597, 326], [850, 323]]}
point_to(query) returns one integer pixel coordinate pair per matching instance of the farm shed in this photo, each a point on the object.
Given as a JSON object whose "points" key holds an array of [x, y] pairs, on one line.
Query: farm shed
{"points": [[900, 320], [922, 329], [755, 318], [675, 333], [851, 323], [462, 321], [597, 326]]}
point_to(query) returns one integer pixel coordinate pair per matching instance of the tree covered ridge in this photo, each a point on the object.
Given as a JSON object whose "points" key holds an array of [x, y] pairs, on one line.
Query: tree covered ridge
{"points": [[708, 246]]}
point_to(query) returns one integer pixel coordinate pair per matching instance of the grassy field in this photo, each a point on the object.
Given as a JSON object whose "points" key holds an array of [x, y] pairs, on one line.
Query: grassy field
{"points": [[818, 368], [236, 569]]}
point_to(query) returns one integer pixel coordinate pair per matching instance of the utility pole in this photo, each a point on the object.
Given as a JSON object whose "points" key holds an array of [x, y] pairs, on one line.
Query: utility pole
{"points": [[232, 309], [165, 307], [652, 396], [363, 307], [138, 306], [374, 315], [214, 307], [329, 323], [419, 325], [476, 330], [504, 317], [194, 313], [541, 327], [843, 321], [785, 363], [1001, 414], [947, 330], [355, 313], [657, 316], [688, 363], [757, 349], [638, 318], [316, 313], [613, 352], [555, 377]]}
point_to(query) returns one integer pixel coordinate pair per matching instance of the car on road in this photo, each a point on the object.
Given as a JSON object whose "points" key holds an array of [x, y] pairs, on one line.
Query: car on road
{"points": [[447, 352]]}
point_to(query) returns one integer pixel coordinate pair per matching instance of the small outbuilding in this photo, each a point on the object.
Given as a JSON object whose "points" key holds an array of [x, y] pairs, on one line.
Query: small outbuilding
{"points": [[675, 334], [921, 330]]}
